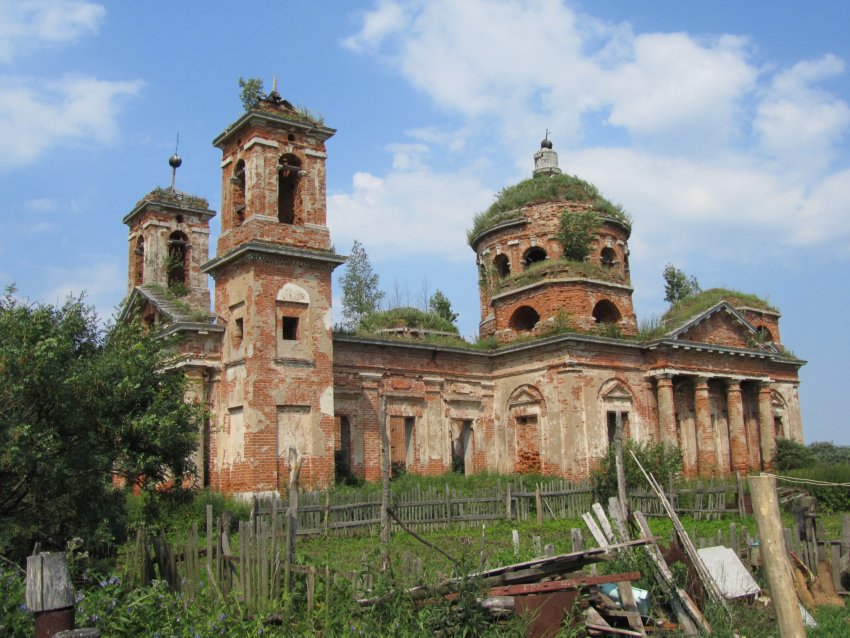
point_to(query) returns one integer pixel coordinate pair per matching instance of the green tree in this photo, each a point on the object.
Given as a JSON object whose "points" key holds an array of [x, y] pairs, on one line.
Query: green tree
{"points": [[440, 305], [78, 404], [360, 292], [678, 285], [251, 92], [576, 231]]}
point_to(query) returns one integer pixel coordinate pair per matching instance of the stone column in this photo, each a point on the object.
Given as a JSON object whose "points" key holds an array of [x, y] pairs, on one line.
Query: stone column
{"points": [[706, 444], [737, 429], [666, 411], [767, 433]]}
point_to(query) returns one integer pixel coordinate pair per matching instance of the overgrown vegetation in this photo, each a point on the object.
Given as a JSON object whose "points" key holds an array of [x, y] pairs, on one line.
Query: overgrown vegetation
{"points": [[678, 286], [171, 295], [81, 403], [664, 461], [176, 198], [544, 188], [250, 92], [405, 318], [551, 268], [824, 462], [576, 231], [361, 294], [683, 310]]}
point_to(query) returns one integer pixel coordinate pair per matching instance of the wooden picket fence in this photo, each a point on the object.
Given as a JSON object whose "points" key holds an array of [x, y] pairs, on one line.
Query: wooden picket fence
{"points": [[356, 513], [256, 573]]}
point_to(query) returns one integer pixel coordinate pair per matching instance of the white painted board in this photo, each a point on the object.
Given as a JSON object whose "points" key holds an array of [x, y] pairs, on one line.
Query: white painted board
{"points": [[728, 572]]}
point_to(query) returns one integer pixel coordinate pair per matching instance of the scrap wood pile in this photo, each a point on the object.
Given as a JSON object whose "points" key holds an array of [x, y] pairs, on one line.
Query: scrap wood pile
{"points": [[550, 591]]}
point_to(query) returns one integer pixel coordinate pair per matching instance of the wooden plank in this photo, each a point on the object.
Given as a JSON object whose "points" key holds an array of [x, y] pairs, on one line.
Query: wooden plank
{"points": [[595, 531], [604, 523], [687, 613], [558, 585]]}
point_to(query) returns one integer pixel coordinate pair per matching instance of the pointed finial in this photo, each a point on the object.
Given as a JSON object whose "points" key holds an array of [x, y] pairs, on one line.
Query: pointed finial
{"points": [[174, 162], [274, 84]]}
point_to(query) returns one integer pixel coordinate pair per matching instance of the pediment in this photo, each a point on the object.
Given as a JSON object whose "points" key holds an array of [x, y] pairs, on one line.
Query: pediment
{"points": [[618, 393], [720, 325]]}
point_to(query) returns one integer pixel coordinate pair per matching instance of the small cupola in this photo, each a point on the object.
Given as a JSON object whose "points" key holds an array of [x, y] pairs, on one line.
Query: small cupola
{"points": [[546, 160]]}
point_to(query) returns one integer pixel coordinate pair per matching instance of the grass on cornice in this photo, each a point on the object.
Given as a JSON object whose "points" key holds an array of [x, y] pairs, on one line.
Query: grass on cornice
{"points": [[550, 268]]}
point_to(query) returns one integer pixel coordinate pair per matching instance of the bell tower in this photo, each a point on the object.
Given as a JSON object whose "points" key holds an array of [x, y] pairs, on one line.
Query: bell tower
{"points": [[168, 243], [272, 277]]}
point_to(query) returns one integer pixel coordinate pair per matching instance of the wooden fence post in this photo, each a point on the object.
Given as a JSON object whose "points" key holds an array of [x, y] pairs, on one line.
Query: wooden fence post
{"points": [[385, 485], [538, 503], [50, 593], [774, 556]]}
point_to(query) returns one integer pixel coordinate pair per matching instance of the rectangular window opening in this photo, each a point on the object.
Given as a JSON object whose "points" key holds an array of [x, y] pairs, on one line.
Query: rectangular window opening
{"points": [[290, 328], [238, 329]]}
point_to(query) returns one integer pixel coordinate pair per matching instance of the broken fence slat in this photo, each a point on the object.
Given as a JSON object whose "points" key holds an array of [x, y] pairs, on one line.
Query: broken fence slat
{"points": [[604, 523], [595, 531]]}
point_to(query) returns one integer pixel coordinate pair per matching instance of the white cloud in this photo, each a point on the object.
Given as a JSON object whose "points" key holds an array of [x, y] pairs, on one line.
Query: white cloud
{"points": [[32, 119], [387, 18], [408, 213], [706, 144], [102, 281], [41, 204], [27, 25], [673, 81], [408, 157], [798, 122]]}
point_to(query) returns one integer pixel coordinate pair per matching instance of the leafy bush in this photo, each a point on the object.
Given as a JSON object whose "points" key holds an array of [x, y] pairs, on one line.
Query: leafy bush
{"points": [[829, 452], [664, 461], [176, 510], [575, 232], [791, 455], [15, 620], [830, 498]]}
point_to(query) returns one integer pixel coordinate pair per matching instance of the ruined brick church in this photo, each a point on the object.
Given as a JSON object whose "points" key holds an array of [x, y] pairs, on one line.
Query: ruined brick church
{"points": [[568, 370]]}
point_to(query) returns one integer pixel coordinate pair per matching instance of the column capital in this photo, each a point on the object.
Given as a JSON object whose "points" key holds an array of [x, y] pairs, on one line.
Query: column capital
{"points": [[733, 385], [701, 382], [664, 379]]}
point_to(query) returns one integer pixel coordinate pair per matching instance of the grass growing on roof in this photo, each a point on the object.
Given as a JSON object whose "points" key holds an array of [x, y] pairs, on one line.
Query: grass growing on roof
{"points": [[405, 318], [544, 188], [680, 312]]}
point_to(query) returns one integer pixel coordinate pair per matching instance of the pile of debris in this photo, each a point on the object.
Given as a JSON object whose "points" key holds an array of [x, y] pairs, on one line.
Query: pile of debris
{"points": [[550, 590]]}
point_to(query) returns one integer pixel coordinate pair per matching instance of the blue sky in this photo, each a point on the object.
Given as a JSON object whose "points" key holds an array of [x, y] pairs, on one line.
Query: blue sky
{"points": [[721, 127]]}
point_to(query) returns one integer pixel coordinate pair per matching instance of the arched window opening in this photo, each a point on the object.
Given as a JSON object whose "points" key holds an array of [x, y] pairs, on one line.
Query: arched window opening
{"points": [[763, 335], [606, 312], [238, 192], [502, 265], [524, 318], [287, 188], [608, 257], [139, 262], [533, 255], [178, 254]]}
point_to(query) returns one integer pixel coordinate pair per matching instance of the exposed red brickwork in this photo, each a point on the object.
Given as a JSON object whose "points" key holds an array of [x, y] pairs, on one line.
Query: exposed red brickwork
{"points": [[274, 376]]}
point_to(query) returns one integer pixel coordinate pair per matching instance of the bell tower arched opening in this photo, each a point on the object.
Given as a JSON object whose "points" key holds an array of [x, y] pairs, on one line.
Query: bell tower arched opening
{"points": [[288, 170], [606, 312], [178, 255], [139, 262], [533, 255]]}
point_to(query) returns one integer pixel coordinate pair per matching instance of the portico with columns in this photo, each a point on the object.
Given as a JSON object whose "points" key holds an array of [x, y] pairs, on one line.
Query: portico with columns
{"points": [[721, 422]]}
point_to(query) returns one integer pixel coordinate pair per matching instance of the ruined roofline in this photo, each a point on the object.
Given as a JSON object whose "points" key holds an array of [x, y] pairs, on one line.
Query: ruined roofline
{"points": [[521, 219], [501, 350], [273, 120], [761, 311], [271, 249], [163, 198]]}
